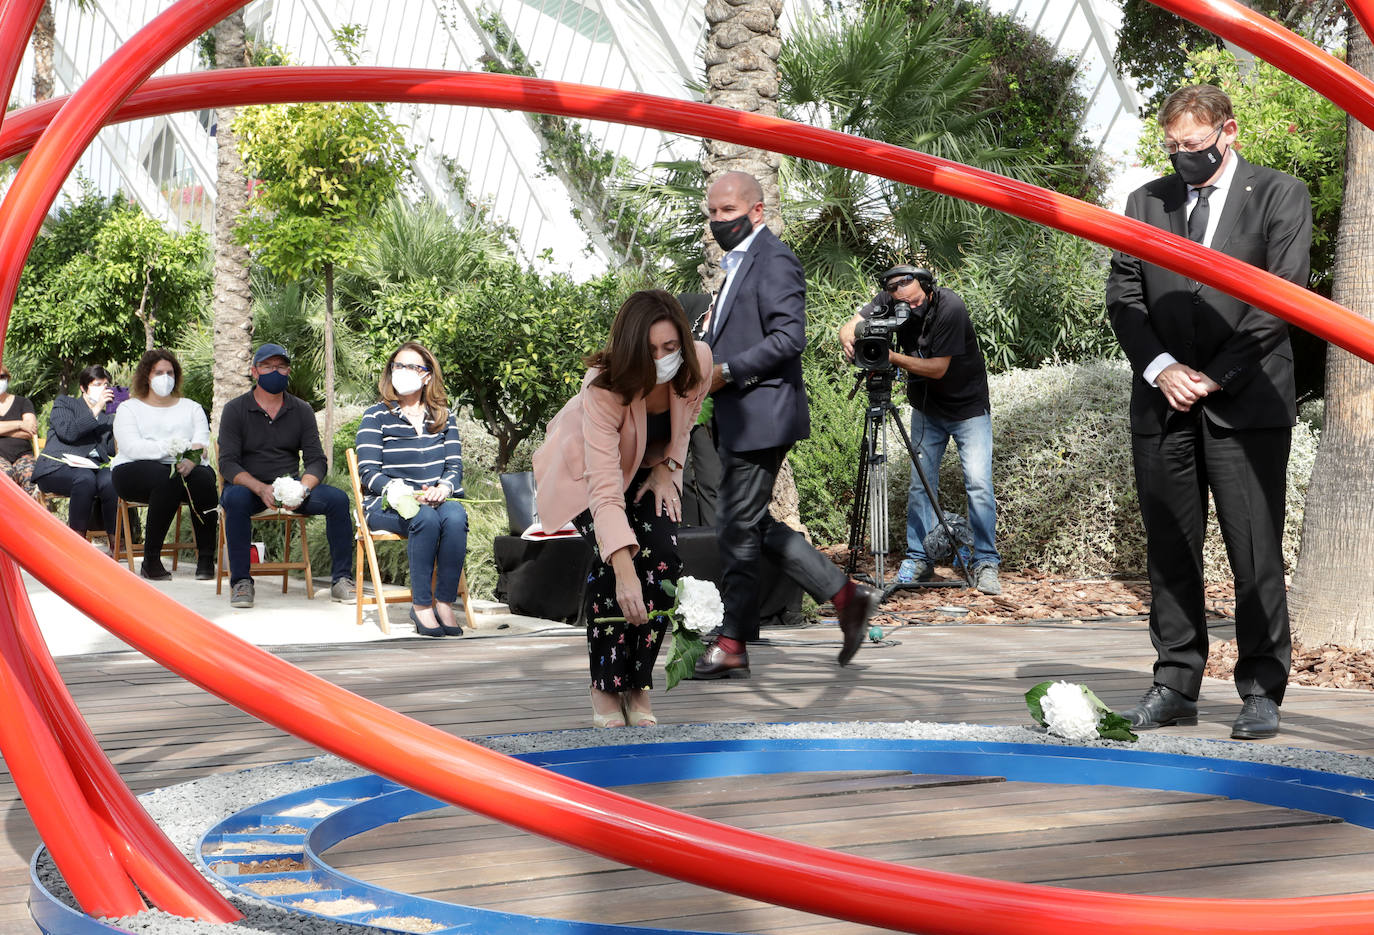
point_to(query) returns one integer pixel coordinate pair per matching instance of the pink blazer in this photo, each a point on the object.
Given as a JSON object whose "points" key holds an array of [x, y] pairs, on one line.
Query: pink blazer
{"points": [[593, 448]]}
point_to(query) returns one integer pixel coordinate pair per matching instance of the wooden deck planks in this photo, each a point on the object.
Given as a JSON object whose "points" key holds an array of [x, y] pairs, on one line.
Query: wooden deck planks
{"points": [[159, 730]]}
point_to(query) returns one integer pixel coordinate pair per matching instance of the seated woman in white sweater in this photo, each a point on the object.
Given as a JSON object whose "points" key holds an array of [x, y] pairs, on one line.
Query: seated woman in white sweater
{"points": [[153, 429]]}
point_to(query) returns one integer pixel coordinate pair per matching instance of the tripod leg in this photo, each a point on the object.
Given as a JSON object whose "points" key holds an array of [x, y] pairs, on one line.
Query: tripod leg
{"points": [[958, 560], [860, 502]]}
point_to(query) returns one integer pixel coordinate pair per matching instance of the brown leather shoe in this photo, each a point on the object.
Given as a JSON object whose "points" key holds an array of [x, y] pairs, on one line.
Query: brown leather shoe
{"points": [[854, 620], [716, 663]]}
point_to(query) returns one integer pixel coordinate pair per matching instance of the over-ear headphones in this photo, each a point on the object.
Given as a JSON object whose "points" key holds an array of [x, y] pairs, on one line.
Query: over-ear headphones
{"points": [[924, 276]]}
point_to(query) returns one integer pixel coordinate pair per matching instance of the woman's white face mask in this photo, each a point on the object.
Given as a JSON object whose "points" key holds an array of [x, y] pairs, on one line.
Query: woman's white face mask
{"points": [[668, 365], [405, 382], [162, 384]]}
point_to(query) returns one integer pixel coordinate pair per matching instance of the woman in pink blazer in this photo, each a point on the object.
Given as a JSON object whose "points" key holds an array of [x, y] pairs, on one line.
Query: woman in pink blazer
{"points": [[611, 463]]}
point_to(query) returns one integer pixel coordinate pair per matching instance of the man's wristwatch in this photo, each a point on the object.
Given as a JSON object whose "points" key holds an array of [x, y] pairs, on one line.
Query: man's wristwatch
{"points": [[725, 373]]}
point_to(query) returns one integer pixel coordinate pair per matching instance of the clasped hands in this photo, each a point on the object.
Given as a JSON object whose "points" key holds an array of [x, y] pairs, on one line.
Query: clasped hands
{"points": [[1182, 385]]}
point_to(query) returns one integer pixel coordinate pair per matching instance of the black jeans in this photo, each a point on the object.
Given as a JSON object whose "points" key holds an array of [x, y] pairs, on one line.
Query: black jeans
{"points": [[746, 528], [157, 484], [83, 487]]}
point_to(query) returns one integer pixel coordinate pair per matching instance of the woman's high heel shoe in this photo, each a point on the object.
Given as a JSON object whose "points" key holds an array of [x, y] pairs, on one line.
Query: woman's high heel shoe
{"points": [[423, 630], [614, 719]]}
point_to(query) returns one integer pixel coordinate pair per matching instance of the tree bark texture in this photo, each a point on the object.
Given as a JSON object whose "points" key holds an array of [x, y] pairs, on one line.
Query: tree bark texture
{"points": [[741, 57], [44, 37], [232, 306], [742, 45], [1332, 597]]}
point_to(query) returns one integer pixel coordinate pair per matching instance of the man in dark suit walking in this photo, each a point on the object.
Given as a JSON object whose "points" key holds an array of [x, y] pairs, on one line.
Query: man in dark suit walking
{"points": [[757, 330], [1212, 406]]}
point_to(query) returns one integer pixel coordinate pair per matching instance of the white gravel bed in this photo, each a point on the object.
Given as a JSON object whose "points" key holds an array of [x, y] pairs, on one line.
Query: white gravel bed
{"points": [[186, 811]]}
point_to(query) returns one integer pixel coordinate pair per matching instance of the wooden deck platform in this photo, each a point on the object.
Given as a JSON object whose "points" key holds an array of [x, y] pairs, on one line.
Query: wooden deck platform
{"points": [[159, 730]]}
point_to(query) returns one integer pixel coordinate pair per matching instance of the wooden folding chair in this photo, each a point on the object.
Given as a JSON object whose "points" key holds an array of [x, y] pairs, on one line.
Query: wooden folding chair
{"points": [[293, 522], [366, 546], [125, 549], [50, 500]]}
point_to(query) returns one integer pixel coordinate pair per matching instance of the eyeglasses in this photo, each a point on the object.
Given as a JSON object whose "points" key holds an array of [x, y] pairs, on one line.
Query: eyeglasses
{"points": [[280, 368], [1170, 147], [397, 367]]}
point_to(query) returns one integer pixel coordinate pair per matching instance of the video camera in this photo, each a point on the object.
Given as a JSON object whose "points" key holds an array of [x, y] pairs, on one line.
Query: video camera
{"points": [[874, 337]]}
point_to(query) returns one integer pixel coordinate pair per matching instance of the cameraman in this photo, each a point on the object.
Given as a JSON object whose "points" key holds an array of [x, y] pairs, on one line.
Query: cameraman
{"points": [[947, 386]]}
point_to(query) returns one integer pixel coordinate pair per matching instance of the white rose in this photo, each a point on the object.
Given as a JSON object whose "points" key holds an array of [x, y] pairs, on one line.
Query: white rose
{"points": [[175, 446], [1068, 713]]}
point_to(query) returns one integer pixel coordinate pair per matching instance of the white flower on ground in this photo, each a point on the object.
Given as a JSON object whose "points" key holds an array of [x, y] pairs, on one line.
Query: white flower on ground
{"points": [[289, 492], [698, 604], [1068, 713]]}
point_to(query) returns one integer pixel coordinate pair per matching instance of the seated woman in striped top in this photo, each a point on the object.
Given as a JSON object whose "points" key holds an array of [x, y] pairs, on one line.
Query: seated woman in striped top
{"points": [[410, 440]]}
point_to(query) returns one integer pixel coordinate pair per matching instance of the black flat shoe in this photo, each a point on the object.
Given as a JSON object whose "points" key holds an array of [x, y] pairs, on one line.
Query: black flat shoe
{"points": [[157, 573], [205, 569], [1162, 706], [1258, 719], [423, 630]]}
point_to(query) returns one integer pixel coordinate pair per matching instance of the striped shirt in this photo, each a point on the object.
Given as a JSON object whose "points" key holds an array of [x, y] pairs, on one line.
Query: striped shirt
{"points": [[389, 448]]}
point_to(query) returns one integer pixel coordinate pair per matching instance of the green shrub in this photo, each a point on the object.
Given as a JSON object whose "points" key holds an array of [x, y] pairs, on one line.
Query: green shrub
{"points": [[1062, 470]]}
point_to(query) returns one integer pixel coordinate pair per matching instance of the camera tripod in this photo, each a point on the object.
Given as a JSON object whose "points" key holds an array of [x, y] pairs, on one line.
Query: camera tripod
{"points": [[870, 486]]}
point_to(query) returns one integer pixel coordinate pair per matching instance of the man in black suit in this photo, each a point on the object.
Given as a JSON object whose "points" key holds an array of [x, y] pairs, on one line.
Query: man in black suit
{"points": [[1212, 406], [757, 330]]}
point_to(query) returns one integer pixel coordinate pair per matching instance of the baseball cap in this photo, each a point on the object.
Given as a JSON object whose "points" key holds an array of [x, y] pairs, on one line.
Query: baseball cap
{"points": [[270, 350]]}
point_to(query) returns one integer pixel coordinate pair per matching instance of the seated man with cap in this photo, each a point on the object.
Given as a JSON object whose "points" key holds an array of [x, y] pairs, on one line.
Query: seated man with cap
{"points": [[264, 435]]}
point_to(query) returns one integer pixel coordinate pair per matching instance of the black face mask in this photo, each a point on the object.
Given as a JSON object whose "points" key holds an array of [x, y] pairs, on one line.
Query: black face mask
{"points": [[273, 382], [1196, 168], [731, 233]]}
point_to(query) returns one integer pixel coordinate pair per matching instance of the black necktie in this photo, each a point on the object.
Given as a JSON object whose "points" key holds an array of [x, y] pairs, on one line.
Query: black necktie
{"points": [[1197, 221]]}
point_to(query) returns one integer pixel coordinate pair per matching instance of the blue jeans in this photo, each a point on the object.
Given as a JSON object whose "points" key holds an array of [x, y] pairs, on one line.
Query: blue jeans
{"points": [[930, 436], [436, 543], [240, 503]]}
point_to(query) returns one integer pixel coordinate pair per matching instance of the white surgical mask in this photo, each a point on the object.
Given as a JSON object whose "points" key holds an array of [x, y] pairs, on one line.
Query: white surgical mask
{"points": [[4, 387], [405, 382], [668, 365], [162, 384]]}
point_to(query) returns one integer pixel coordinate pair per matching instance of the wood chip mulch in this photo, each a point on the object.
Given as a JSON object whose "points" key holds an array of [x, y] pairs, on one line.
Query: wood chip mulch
{"points": [[1030, 596]]}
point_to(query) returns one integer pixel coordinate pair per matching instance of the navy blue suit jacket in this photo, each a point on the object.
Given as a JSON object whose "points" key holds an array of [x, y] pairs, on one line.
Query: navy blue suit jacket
{"points": [[761, 332]]}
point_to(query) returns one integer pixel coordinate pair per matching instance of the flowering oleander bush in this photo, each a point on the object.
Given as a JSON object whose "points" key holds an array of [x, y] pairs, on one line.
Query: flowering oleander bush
{"points": [[1075, 713]]}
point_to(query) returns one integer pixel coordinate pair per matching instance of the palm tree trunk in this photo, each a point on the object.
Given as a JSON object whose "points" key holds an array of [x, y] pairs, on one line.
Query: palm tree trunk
{"points": [[1332, 597], [742, 45], [44, 38], [232, 308]]}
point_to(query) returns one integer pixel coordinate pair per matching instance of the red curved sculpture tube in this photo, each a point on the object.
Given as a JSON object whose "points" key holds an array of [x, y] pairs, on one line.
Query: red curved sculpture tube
{"points": [[46, 782], [150, 859], [1364, 15], [1306, 309], [17, 19], [455, 771], [1284, 49], [600, 821]]}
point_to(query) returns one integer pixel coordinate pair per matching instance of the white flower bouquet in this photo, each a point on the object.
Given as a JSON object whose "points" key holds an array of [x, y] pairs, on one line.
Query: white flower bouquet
{"points": [[697, 608], [289, 492], [400, 496], [1075, 713], [179, 449]]}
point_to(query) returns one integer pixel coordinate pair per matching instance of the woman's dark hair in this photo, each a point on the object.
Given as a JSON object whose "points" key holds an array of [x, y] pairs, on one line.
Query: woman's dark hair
{"points": [[91, 373], [146, 363], [431, 394], [627, 364]]}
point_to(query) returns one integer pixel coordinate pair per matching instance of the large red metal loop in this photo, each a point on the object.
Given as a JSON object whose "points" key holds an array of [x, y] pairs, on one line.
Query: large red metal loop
{"points": [[274, 85], [44, 778]]}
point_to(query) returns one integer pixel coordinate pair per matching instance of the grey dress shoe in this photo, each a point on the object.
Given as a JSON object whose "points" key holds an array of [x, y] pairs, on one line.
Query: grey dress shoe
{"points": [[1162, 706], [1258, 719]]}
